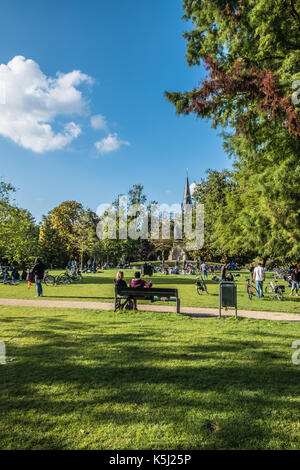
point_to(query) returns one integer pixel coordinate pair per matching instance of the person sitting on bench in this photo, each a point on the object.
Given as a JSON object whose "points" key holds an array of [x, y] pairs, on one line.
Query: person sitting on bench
{"points": [[138, 282], [119, 280]]}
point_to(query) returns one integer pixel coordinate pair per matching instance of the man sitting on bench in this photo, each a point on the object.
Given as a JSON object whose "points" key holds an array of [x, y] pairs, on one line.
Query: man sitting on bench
{"points": [[137, 282]]}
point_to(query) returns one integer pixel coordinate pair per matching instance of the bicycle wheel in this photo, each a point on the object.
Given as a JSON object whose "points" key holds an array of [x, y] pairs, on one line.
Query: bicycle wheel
{"points": [[128, 305], [63, 279], [205, 287], [50, 280]]}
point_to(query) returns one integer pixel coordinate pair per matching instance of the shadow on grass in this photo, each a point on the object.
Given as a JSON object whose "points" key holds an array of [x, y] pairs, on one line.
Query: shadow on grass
{"points": [[217, 392]]}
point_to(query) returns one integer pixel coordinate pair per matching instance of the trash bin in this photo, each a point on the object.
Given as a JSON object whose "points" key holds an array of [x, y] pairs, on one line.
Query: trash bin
{"points": [[228, 296]]}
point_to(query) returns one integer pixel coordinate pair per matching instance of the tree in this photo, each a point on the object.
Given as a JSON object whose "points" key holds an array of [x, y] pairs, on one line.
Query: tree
{"points": [[52, 250], [18, 231], [213, 192], [251, 50], [66, 219]]}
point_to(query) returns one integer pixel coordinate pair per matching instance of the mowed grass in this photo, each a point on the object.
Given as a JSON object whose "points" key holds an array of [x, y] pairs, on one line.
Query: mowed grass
{"points": [[85, 379], [100, 288]]}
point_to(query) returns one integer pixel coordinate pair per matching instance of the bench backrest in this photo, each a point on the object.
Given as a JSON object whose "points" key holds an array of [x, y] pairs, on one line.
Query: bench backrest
{"points": [[147, 291]]}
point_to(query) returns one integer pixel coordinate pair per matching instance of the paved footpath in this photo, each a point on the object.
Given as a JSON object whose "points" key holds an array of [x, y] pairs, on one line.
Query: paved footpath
{"points": [[188, 311]]}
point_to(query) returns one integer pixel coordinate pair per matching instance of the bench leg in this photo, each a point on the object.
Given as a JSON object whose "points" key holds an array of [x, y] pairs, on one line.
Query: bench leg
{"points": [[177, 305]]}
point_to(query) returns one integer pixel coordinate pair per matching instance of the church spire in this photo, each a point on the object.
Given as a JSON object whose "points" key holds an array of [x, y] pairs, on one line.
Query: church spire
{"points": [[187, 198]]}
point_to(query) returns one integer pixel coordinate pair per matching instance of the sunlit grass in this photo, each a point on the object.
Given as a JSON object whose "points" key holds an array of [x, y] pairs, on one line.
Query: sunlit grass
{"points": [[102, 380], [100, 288]]}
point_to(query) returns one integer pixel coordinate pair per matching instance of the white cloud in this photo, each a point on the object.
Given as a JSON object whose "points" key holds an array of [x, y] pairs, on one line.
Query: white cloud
{"points": [[33, 103], [99, 122], [193, 186], [109, 144]]}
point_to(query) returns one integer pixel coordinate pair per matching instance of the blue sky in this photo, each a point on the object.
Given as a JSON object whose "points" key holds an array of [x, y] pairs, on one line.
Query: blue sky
{"points": [[128, 53]]}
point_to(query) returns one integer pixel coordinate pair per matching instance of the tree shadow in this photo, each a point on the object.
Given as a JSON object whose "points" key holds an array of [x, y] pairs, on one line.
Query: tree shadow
{"points": [[216, 391]]}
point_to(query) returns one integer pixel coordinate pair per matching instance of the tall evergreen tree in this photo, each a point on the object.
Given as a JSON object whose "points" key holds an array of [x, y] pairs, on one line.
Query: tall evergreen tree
{"points": [[251, 51]]}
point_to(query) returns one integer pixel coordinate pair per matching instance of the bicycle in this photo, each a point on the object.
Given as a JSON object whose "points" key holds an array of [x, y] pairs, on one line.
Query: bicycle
{"points": [[127, 304], [76, 277], [277, 290], [200, 285], [251, 289], [49, 280], [67, 278]]}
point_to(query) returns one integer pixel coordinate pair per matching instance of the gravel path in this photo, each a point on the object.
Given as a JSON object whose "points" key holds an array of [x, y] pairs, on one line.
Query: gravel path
{"points": [[188, 311]]}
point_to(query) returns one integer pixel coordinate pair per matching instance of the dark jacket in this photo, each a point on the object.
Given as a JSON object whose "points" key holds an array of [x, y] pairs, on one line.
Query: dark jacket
{"points": [[39, 270], [120, 284]]}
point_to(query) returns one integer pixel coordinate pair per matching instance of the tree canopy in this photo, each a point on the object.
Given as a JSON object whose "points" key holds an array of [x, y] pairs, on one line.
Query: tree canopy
{"points": [[250, 49]]}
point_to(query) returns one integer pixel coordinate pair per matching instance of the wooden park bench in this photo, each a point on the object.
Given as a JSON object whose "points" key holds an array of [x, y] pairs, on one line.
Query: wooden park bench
{"points": [[155, 294]]}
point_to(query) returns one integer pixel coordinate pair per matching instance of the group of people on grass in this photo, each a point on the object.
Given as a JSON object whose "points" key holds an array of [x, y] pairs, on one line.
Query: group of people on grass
{"points": [[34, 275], [187, 269], [257, 274]]}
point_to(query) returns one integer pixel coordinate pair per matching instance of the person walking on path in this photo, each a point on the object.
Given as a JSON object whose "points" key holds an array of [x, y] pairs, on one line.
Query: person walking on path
{"points": [[38, 271], [259, 277]]}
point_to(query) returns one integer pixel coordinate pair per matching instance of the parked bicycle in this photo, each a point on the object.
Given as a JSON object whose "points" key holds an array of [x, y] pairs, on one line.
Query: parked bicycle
{"points": [[127, 304], [276, 290], [67, 278]]}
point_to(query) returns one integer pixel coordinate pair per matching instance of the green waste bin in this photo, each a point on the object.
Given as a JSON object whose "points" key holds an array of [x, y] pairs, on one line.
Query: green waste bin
{"points": [[228, 296]]}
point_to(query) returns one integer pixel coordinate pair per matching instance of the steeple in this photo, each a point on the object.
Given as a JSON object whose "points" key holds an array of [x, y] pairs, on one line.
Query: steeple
{"points": [[187, 198]]}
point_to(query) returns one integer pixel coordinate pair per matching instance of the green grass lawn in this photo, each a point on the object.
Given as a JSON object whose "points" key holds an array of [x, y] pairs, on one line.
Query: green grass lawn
{"points": [[102, 380], [100, 287]]}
